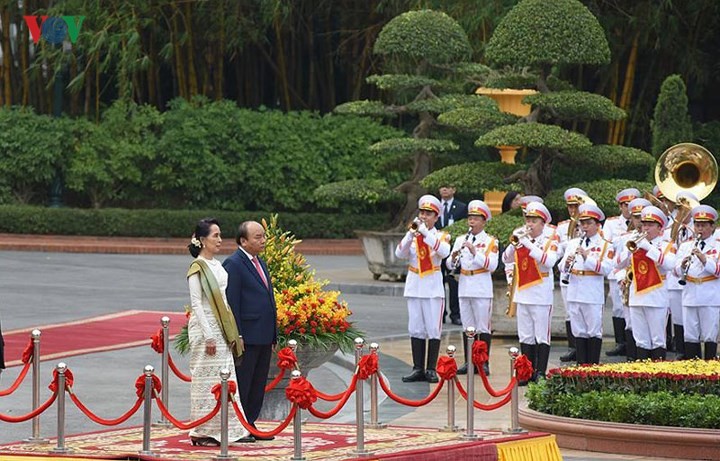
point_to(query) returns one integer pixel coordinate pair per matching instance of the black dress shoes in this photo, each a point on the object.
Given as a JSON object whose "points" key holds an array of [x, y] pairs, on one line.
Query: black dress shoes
{"points": [[261, 437], [456, 322], [415, 376], [246, 439], [431, 376]]}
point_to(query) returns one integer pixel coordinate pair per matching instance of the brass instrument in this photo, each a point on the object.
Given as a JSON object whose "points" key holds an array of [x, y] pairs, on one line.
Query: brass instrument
{"points": [[565, 279], [516, 236], [625, 285], [415, 224], [455, 254], [684, 207], [656, 202], [686, 167], [632, 243], [686, 263], [512, 307]]}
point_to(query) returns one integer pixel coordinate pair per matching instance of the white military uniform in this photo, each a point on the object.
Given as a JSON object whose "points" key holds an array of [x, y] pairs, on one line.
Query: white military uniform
{"points": [[475, 289], [613, 230]]}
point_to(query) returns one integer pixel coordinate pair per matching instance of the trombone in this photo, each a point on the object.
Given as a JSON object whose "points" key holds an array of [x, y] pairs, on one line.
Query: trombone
{"points": [[635, 238]]}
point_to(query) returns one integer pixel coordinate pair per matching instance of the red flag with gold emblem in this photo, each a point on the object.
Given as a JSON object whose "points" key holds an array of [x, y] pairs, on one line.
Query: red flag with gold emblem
{"points": [[425, 264], [528, 272], [645, 272]]}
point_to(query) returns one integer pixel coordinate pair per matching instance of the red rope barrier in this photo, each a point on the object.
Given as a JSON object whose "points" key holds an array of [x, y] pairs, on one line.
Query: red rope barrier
{"points": [[367, 366], [523, 368], [32, 414], [410, 403], [328, 414], [18, 381], [260, 433], [27, 354], [275, 381], [480, 406], [178, 373], [301, 392], [185, 426], [157, 341], [106, 422]]}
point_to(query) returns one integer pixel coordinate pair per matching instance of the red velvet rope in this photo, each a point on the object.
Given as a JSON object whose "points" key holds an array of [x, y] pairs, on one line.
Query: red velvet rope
{"points": [[27, 354], [479, 353], [328, 414], [523, 368], [490, 389], [367, 366], [217, 390], [140, 385], [179, 424], [32, 414], [178, 373], [18, 380], [410, 403], [275, 381], [69, 380], [480, 406], [157, 341], [260, 433], [446, 368], [301, 392], [287, 360], [106, 422]]}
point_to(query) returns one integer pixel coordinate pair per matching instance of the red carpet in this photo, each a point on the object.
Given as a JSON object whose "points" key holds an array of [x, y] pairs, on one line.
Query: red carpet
{"points": [[96, 334], [327, 442]]}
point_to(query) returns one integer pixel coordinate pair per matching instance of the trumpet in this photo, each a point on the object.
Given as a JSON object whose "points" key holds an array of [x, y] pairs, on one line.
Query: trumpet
{"points": [[632, 244], [565, 279], [516, 236], [455, 254], [415, 224], [686, 263]]}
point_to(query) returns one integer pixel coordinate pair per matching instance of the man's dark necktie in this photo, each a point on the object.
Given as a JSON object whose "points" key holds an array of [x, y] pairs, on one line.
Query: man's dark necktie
{"points": [[446, 214], [587, 241], [702, 245]]}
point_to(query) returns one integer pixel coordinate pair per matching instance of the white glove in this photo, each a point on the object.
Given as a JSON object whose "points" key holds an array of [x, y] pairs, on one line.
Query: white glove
{"points": [[525, 241], [644, 244], [422, 228]]}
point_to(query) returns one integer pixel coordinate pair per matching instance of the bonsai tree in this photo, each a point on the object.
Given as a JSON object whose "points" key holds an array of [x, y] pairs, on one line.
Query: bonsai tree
{"points": [[671, 122], [546, 38], [426, 73]]}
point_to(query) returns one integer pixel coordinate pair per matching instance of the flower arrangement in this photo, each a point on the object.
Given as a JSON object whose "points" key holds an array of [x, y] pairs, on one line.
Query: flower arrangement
{"points": [[682, 394], [305, 311]]}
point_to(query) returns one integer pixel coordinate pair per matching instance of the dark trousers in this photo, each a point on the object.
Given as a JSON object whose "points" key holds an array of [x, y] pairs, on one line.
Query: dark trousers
{"points": [[452, 302], [252, 373]]}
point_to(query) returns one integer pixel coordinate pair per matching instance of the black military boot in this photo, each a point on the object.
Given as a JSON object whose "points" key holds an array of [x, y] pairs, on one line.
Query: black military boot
{"points": [[417, 346], [630, 347], [594, 348], [679, 338], [487, 339], [692, 350], [669, 334], [542, 361], [569, 356], [643, 353], [658, 353], [581, 350], [619, 330], [463, 369], [710, 350], [433, 352]]}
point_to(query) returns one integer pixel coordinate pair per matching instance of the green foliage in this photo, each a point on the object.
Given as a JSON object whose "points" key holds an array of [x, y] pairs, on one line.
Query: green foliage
{"points": [[113, 157], [538, 32], [15, 219], [33, 148], [708, 135], [355, 192], [511, 77], [476, 120], [657, 408], [410, 145], [671, 121], [424, 35], [533, 135], [452, 101], [602, 191], [473, 179], [365, 107], [600, 162], [400, 82], [576, 105]]}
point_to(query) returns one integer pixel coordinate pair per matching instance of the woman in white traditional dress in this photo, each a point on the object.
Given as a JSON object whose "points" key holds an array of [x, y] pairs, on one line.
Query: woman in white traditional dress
{"points": [[212, 333]]}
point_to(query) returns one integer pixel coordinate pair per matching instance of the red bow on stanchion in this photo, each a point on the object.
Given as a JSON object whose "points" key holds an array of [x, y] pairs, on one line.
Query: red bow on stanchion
{"points": [[286, 359], [367, 366], [523, 368], [140, 385], [301, 392], [217, 389], [446, 368], [479, 353], [69, 380], [157, 341], [27, 354]]}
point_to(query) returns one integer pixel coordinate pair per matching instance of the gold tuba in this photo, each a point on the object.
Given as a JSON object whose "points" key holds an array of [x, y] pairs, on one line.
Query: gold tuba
{"points": [[686, 167]]}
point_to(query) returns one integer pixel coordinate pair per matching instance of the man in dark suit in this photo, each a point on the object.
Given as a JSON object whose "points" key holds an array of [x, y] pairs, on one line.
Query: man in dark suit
{"points": [[452, 210], [250, 295], [2, 351]]}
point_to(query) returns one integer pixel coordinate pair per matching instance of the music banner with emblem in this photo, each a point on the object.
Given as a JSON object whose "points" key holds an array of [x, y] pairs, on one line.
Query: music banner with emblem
{"points": [[645, 272], [424, 261], [528, 272]]}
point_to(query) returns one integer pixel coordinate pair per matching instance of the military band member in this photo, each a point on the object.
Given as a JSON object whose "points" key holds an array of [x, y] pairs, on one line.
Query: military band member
{"points": [[650, 258], [525, 200], [425, 247], [567, 230], [588, 259], [534, 254], [697, 261], [476, 254], [612, 230]]}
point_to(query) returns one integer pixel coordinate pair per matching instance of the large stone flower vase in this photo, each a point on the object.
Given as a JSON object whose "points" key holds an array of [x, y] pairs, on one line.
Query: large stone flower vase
{"points": [[276, 407], [379, 249]]}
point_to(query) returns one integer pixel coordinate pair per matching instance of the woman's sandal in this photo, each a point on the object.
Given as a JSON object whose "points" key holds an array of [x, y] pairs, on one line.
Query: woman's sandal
{"points": [[204, 442]]}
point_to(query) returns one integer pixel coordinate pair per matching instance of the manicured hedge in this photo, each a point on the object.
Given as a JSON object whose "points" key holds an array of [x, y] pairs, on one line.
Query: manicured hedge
{"points": [[173, 223]]}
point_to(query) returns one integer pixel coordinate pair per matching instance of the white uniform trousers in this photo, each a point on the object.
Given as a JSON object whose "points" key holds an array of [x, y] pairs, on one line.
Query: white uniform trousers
{"points": [[615, 300], [563, 295], [476, 313], [648, 325], [628, 318], [533, 322], [425, 317], [676, 309], [701, 323], [585, 319]]}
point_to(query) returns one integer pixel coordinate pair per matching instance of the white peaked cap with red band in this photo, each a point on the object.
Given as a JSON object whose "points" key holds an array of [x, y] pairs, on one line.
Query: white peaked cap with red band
{"points": [[587, 211], [479, 208], [429, 203], [538, 210], [653, 214]]}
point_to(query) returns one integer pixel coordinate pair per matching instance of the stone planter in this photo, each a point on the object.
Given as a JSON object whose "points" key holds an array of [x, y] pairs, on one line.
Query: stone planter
{"points": [[276, 406], [379, 249]]}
